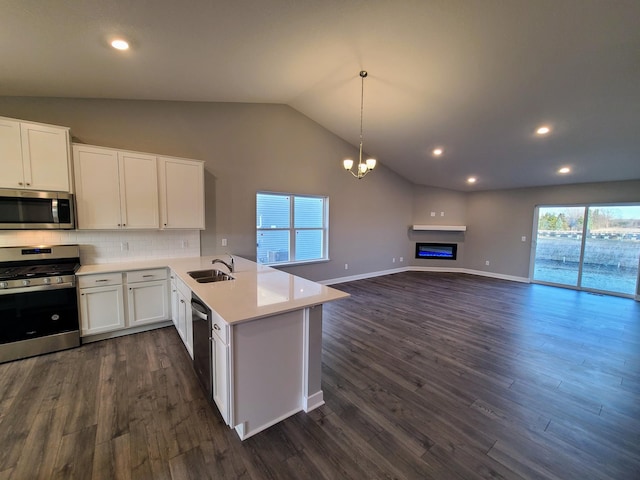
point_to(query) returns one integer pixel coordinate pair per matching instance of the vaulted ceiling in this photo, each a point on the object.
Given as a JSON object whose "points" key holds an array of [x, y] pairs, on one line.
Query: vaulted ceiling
{"points": [[473, 77]]}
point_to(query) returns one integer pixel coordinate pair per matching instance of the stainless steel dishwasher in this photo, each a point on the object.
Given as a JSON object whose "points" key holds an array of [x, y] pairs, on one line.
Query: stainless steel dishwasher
{"points": [[202, 331]]}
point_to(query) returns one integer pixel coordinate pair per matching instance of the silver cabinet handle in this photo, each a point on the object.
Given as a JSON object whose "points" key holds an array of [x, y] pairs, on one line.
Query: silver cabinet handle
{"points": [[216, 327], [104, 280], [147, 276]]}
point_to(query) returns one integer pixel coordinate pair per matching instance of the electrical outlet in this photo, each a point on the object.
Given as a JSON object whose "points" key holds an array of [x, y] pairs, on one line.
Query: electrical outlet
{"points": [[393, 260], [486, 262], [442, 214], [124, 246], [224, 242], [401, 259], [433, 214], [524, 238], [346, 266], [184, 243]]}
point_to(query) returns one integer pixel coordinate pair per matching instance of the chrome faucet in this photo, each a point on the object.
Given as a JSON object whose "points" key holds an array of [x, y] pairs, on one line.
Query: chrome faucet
{"points": [[230, 265]]}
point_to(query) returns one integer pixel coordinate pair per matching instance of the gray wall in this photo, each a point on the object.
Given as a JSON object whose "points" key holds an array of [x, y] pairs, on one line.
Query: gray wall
{"points": [[250, 147], [497, 220], [427, 200]]}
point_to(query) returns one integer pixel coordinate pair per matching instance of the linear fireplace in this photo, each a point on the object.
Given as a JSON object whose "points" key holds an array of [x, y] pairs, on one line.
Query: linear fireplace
{"points": [[441, 251]]}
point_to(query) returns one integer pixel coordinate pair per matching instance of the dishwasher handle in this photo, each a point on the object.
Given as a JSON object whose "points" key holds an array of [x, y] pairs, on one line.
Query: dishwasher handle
{"points": [[199, 310]]}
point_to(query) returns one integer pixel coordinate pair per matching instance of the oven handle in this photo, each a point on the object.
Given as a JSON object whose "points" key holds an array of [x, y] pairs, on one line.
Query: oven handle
{"points": [[38, 288]]}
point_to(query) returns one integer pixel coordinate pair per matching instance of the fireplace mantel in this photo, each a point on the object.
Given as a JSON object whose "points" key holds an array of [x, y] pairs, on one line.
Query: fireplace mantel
{"points": [[440, 228]]}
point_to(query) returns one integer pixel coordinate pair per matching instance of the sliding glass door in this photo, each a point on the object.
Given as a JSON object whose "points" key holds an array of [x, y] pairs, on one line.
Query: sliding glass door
{"points": [[611, 249], [559, 245], [592, 247]]}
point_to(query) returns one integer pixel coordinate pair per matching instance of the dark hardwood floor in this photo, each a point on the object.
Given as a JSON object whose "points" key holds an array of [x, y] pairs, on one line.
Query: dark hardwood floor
{"points": [[425, 375]]}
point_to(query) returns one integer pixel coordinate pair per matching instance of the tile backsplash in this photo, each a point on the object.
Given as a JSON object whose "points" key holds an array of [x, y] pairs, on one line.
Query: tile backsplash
{"points": [[112, 247]]}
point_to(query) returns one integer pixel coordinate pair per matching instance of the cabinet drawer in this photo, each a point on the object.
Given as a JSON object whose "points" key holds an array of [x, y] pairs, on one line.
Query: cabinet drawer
{"points": [[99, 280], [147, 275], [220, 327]]}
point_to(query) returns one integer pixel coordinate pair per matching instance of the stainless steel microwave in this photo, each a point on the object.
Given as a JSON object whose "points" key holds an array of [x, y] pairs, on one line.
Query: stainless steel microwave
{"points": [[31, 210]]}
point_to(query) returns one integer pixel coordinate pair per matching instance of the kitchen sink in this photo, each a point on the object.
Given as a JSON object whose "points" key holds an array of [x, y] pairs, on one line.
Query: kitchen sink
{"points": [[210, 275]]}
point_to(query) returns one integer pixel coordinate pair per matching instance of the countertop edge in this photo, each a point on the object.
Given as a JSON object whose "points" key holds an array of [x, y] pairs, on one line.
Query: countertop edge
{"points": [[220, 297]]}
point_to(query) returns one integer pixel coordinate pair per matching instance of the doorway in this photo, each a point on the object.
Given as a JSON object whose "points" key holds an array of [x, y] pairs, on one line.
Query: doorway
{"points": [[588, 247]]}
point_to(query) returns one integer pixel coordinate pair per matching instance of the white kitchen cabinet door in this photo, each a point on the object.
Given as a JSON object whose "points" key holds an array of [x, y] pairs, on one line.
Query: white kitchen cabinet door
{"points": [[34, 156], [138, 190], [174, 301], [101, 309], [148, 302], [97, 187], [182, 317], [220, 355], [181, 193], [188, 330], [115, 190], [11, 155], [45, 154]]}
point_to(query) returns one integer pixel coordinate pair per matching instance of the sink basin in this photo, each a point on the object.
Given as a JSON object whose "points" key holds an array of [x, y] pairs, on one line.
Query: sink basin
{"points": [[208, 276]]}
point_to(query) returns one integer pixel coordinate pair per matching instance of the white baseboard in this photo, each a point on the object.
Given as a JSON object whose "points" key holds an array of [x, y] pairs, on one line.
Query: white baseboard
{"points": [[313, 401], [362, 276], [501, 276], [467, 271]]}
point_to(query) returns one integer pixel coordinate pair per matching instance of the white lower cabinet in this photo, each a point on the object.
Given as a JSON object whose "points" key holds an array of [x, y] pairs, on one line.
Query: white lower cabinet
{"points": [[174, 300], [148, 296], [181, 313], [104, 307], [220, 356]]}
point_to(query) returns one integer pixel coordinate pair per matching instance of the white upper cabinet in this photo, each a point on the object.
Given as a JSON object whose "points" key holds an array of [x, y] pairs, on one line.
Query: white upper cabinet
{"points": [[181, 193], [34, 156], [115, 189], [138, 190], [97, 187]]}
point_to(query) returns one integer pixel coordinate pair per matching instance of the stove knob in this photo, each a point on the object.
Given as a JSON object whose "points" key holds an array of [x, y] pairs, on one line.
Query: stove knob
{"points": [[26, 283], [47, 281], [58, 279], [4, 285]]}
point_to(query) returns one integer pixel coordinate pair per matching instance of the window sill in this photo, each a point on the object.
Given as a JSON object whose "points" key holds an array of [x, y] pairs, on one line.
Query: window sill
{"points": [[295, 264]]}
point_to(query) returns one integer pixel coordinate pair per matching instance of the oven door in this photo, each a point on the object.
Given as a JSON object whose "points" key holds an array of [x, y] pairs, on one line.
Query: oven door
{"points": [[38, 313]]}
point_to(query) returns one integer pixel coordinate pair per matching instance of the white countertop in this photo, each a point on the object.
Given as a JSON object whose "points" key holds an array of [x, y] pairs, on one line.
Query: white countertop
{"points": [[257, 291]]}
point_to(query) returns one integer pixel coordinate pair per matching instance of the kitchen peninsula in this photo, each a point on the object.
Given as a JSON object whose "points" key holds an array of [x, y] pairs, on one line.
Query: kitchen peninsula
{"points": [[266, 338]]}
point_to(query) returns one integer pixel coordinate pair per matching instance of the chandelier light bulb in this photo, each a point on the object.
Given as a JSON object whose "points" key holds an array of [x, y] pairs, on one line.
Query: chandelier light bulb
{"points": [[348, 164]]}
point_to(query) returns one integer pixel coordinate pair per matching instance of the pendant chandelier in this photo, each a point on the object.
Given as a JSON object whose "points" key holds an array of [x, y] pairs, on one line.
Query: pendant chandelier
{"points": [[363, 167]]}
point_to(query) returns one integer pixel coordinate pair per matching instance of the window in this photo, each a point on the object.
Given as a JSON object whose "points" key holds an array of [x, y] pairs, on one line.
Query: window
{"points": [[291, 228], [588, 247]]}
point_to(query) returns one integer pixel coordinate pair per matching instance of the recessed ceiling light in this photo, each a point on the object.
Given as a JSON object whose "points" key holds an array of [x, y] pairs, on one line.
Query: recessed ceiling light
{"points": [[471, 180], [564, 170], [437, 152], [120, 44], [543, 130]]}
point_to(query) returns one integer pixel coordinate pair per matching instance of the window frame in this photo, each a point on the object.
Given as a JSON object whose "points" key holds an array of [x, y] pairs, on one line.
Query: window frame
{"points": [[292, 229]]}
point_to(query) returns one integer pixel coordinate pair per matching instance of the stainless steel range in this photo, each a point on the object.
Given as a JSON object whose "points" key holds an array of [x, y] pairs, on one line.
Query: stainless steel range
{"points": [[38, 300]]}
